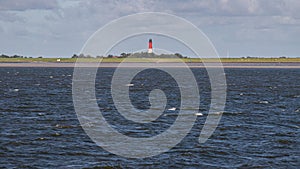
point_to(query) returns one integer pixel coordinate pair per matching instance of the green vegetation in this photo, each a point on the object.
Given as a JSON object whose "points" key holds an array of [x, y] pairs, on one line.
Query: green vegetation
{"points": [[141, 57], [261, 60], [191, 60], [20, 60]]}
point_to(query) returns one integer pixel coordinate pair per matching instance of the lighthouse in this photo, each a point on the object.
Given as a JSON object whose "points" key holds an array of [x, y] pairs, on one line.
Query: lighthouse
{"points": [[150, 50]]}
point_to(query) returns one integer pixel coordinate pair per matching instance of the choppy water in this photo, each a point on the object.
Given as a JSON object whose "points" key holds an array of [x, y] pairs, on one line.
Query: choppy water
{"points": [[260, 127]]}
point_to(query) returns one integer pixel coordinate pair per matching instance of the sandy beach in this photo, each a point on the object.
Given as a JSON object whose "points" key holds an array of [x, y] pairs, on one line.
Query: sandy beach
{"points": [[291, 65]]}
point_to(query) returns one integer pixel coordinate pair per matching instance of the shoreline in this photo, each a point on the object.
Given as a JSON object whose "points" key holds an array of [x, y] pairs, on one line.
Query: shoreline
{"points": [[290, 65]]}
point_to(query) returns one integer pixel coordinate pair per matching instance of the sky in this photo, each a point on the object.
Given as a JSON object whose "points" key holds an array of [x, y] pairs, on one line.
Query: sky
{"points": [[60, 28]]}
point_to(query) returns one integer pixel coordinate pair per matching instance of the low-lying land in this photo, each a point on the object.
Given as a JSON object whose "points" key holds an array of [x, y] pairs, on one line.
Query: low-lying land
{"points": [[153, 62], [117, 60]]}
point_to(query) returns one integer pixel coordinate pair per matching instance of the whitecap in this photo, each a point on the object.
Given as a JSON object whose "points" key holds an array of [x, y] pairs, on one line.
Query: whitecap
{"points": [[216, 113], [130, 84], [198, 114], [172, 109], [263, 102]]}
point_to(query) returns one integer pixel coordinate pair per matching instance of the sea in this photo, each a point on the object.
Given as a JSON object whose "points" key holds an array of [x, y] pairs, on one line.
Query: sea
{"points": [[259, 128]]}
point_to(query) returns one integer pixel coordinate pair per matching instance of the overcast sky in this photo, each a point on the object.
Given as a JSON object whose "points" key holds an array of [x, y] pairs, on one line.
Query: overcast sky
{"points": [[239, 27]]}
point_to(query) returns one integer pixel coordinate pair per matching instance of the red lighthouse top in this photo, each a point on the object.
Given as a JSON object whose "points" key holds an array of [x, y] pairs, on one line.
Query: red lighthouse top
{"points": [[150, 44]]}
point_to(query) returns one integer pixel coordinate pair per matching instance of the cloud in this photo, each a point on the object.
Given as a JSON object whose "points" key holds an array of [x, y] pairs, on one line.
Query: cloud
{"points": [[10, 17], [23, 5], [226, 22]]}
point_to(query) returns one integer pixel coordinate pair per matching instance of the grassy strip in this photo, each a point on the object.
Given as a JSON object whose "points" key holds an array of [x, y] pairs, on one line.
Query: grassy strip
{"points": [[188, 60], [261, 60], [20, 60]]}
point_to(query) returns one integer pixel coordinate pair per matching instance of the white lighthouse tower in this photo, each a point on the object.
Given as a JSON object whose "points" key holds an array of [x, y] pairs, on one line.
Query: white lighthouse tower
{"points": [[150, 50]]}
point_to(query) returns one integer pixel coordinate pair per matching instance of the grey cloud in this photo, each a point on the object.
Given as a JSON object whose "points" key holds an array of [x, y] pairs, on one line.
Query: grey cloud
{"points": [[231, 7], [23, 5], [75, 20], [108, 10], [10, 17]]}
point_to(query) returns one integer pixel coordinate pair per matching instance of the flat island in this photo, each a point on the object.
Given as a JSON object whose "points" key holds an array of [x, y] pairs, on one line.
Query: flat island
{"points": [[134, 62]]}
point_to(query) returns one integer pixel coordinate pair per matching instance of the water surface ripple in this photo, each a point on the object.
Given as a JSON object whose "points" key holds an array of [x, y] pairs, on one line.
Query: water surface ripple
{"points": [[260, 127]]}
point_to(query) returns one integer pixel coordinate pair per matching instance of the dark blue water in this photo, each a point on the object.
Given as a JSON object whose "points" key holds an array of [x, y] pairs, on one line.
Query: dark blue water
{"points": [[260, 127]]}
